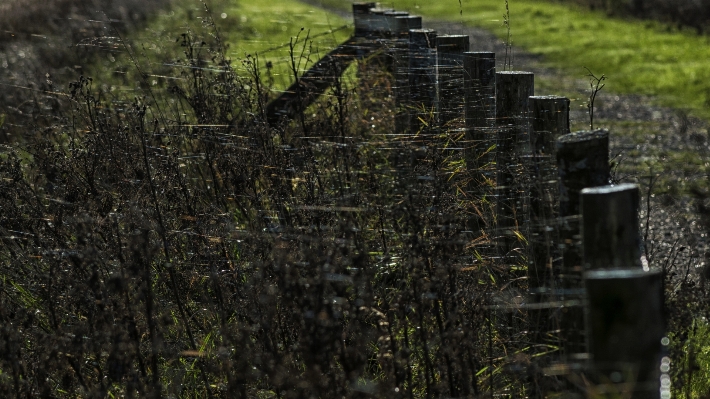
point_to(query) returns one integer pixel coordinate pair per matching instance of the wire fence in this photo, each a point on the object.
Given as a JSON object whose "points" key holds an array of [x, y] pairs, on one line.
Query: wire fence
{"points": [[410, 230]]}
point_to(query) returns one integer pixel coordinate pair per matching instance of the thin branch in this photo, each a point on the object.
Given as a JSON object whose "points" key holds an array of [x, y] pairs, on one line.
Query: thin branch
{"points": [[596, 85]]}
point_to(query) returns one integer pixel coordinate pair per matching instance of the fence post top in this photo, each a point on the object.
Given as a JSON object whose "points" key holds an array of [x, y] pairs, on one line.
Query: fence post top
{"points": [[540, 98], [410, 22], [363, 8], [422, 31], [453, 44], [422, 38], [514, 73], [618, 274], [381, 11], [480, 54], [606, 190], [582, 136], [453, 38]]}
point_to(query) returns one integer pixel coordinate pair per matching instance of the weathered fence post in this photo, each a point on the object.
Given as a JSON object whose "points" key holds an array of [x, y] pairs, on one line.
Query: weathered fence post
{"points": [[392, 37], [361, 18], [422, 78], [450, 50], [610, 227], [625, 326], [513, 92], [582, 161], [394, 27], [624, 314], [405, 23], [479, 112], [401, 70], [549, 119], [379, 21], [382, 24], [480, 89]]}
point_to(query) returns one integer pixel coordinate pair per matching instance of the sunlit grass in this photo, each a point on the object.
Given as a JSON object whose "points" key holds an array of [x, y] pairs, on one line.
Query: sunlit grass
{"points": [[151, 57], [637, 56]]}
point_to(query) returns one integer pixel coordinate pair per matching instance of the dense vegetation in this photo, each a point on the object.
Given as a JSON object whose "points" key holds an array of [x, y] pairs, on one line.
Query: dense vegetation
{"points": [[193, 250], [170, 243]]}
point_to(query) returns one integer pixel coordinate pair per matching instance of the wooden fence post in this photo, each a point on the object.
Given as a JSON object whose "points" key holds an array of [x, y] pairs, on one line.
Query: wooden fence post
{"points": [[450, 50], [582, 161], [513, 92], [480, 86], [383, 25], [401, 71], [479, 112], [549, 119], [379, 21], [625, 325], [361, 19], [394, 27], [422, 78], [624, 315], [610, 227], [405, 23]]}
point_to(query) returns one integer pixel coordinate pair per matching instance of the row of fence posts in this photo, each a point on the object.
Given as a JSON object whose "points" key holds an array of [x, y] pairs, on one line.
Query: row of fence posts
{"points": [[580, 234]]}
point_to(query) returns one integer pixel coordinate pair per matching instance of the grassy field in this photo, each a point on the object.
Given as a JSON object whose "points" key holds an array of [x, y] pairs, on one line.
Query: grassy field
{"points": [[637, 56], [244, 29]]}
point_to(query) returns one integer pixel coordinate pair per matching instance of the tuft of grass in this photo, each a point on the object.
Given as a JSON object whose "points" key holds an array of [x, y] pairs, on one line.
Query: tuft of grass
{"points": [[697, 348]]}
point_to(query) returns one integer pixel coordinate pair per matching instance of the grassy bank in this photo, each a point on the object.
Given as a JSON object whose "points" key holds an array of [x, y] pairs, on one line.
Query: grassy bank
{"points": [[244, 29], [638, 57]]}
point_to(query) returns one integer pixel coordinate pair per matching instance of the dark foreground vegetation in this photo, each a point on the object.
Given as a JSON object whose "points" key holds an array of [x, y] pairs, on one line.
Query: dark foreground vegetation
{"points": [[186, 248], [182, 247]]}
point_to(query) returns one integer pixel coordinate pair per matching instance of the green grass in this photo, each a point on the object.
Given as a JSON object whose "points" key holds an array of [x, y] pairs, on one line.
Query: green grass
{"points": [[696, 364], [246, 28], [637, 57]]}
